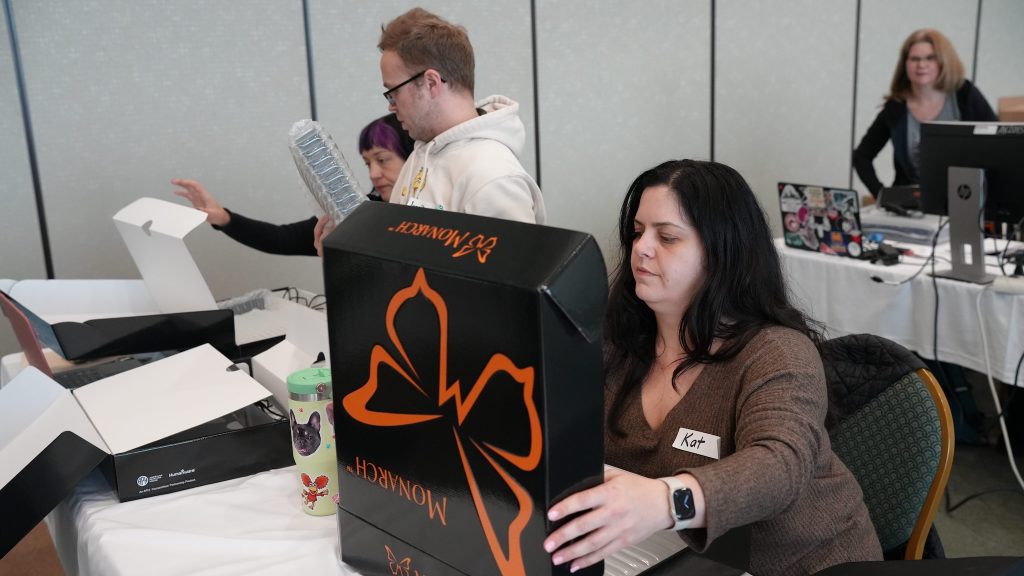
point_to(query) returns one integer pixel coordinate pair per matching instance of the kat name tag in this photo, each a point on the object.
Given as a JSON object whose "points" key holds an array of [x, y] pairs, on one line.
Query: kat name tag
{"points": [[697, 442]]}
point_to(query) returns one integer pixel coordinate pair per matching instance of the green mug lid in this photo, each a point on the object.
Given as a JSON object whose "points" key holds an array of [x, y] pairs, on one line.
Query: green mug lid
{"points": [[310, 381]]}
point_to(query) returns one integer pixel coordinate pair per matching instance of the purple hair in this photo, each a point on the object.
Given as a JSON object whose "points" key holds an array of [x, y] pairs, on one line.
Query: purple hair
{"points": [[386, 132]]}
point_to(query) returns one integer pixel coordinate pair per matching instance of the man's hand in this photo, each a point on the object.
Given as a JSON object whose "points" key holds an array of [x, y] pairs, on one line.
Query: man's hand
{"points": [[324, 226]]}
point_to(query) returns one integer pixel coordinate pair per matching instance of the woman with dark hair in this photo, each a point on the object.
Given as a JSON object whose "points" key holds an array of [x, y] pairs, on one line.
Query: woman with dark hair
{"points": [[928, 85], [715, 395], [384, 146]]}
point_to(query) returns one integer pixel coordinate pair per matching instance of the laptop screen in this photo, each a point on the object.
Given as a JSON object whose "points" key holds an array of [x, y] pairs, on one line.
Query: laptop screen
{"points": [[821, 219]]}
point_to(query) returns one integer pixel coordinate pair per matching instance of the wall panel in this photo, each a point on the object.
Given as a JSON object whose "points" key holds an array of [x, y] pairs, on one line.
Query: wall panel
{"points": [[623, 86], [127, 94], [784, 93], [21, 252], [1001, 50]]}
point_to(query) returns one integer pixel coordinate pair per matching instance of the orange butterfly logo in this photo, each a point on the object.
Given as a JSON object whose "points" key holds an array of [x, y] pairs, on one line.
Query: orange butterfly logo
{"points": [[397, 568], [356, 403], [483, 247]]}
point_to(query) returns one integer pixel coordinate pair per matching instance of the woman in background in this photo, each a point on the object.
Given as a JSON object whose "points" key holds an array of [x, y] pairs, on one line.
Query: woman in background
{"points": [[701, 337], [928, 85], [384, 146]]}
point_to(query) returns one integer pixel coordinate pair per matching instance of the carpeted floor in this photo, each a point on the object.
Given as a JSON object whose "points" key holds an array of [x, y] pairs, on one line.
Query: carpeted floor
{"points": [[33, 556]]}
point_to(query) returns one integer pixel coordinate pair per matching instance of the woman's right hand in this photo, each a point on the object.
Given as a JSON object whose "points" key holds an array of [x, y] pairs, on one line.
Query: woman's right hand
{"points": [[194, 192]]}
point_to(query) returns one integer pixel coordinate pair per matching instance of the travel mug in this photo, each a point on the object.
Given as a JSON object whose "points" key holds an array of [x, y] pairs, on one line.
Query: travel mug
{"points": [[311, 414]]}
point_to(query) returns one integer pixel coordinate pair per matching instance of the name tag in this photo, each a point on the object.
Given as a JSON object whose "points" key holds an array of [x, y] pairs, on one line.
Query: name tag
{"points": [[697, 442]]}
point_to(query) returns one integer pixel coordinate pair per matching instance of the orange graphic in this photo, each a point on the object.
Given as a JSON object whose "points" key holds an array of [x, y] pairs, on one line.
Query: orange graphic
{"points": [[452, 238], [483, 247], [499, 538], [397, 568]]}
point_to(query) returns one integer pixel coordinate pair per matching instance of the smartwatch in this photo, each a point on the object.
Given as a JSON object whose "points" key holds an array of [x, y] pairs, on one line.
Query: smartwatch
{"points": [[680, 502]]}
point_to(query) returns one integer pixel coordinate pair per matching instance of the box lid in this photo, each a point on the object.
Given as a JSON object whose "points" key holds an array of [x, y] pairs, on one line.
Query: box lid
{"points": [[161, 398], [154, 232], [170, 308], [485, 249]]}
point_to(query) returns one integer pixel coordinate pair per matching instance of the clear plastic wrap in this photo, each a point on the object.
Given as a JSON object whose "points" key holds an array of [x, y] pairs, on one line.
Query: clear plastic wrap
{"points": [[324, 170]]}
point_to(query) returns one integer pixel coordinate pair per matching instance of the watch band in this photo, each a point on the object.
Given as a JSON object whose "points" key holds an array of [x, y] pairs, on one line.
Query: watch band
{"points": [[680, 502]]}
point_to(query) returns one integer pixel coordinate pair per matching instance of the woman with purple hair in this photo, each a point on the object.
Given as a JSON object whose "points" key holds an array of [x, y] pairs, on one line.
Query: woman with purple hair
{"points": [[384, 146]]}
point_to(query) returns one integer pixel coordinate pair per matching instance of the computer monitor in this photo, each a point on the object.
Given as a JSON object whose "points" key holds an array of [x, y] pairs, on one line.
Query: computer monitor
{"points": [[972, 171]]}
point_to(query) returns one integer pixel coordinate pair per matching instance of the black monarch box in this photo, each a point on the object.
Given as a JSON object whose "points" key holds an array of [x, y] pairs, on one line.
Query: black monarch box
{"points": [[466, 359]]}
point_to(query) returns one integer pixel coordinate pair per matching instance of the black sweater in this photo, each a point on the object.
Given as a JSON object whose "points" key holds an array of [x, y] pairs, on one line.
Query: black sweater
{"points": [[891, 124], [295, 239]]}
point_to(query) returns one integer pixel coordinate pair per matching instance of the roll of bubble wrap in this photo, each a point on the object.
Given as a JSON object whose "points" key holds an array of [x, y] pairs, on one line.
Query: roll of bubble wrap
{"points": [[324, 170]]}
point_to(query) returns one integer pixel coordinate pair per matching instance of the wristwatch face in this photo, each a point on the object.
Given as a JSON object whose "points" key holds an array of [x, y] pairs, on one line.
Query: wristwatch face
{"points": [[682, 504]]}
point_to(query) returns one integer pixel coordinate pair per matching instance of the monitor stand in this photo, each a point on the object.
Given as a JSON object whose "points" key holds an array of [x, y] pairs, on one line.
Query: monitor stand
{"points": [[966, 199]]}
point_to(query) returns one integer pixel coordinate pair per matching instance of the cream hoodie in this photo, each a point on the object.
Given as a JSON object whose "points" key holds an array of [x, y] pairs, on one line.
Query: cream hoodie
{"points": [[474, 168]]}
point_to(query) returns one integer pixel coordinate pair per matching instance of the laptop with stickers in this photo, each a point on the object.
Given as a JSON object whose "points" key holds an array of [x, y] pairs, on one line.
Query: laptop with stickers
{"points": [[821, 219]]}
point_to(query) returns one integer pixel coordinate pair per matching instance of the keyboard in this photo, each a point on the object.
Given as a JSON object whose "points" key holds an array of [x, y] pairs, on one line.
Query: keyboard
{"points": [[639, 558], [78, 377]]}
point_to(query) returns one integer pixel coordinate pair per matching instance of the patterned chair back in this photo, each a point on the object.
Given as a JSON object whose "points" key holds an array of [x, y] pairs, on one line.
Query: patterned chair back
{"points": [[890, 424]]}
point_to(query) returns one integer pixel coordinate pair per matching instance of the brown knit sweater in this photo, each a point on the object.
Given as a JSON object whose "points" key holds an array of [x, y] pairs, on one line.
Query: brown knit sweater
{"points": [[776, 471]]}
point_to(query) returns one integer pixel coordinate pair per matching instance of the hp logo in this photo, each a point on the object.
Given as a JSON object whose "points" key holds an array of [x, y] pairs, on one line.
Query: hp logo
{"points": [[963, 191]]}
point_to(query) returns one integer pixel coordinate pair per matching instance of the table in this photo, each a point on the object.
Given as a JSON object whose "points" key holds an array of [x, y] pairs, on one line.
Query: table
{"points": [[251, 525], [247, 526], [840, 293]]}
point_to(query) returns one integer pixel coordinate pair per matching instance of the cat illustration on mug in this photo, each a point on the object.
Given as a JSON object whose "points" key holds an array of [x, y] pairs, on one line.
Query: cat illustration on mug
{"points": [[305, 437]]}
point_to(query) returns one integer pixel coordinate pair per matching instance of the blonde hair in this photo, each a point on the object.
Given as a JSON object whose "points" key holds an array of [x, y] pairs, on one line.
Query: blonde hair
{"points": [[951, 69]]}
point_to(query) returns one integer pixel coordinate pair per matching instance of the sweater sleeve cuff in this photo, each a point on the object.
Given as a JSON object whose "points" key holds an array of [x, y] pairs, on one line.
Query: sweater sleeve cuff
{"points": [[231, 218]]}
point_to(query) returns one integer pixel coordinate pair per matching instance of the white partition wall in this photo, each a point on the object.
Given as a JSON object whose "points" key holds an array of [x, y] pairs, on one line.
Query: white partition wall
{"points": [[1000, 70], [623, 86], [127, 94], [784, 93], [21, 252], [347, 71], [884, 25]]}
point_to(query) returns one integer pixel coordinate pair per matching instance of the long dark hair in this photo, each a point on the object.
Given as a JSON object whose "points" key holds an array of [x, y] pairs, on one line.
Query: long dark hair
{"points": [[743, 290]]}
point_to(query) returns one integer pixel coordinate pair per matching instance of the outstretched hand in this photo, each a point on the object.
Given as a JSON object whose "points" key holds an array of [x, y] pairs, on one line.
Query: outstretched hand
{"points": [[624, 510], [324, 226], [194, 192]]}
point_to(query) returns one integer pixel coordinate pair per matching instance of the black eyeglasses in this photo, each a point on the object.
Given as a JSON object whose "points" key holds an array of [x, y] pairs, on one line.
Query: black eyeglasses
{"points": [[390, 94]]}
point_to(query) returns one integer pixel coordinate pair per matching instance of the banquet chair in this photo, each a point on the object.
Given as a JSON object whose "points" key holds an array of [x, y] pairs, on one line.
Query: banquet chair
{"points": [[890, 423]]}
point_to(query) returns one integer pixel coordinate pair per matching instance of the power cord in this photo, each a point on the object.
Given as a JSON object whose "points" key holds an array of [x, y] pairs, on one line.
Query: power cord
{"points": [[999, 409], [929, 259], [292, 294]]}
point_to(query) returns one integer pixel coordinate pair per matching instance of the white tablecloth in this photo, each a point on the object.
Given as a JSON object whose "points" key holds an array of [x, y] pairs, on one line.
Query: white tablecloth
{"points": [[840, 293], [249, 526]]}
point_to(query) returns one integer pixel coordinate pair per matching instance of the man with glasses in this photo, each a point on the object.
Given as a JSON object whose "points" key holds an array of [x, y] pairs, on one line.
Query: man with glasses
{"points": [[466, 155]]}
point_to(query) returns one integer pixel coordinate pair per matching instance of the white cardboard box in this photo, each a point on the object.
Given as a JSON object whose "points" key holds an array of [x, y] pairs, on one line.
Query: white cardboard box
{"points": [[305, 340], [170, 307], [51, 438]]}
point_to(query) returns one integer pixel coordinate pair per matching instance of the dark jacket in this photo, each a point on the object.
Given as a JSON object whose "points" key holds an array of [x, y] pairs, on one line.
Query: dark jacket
{"points": [[295, 239], [891, 124]]}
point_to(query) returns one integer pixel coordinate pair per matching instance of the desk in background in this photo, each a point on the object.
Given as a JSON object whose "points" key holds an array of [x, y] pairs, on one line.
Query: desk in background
{"points": [[840, 293]]}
